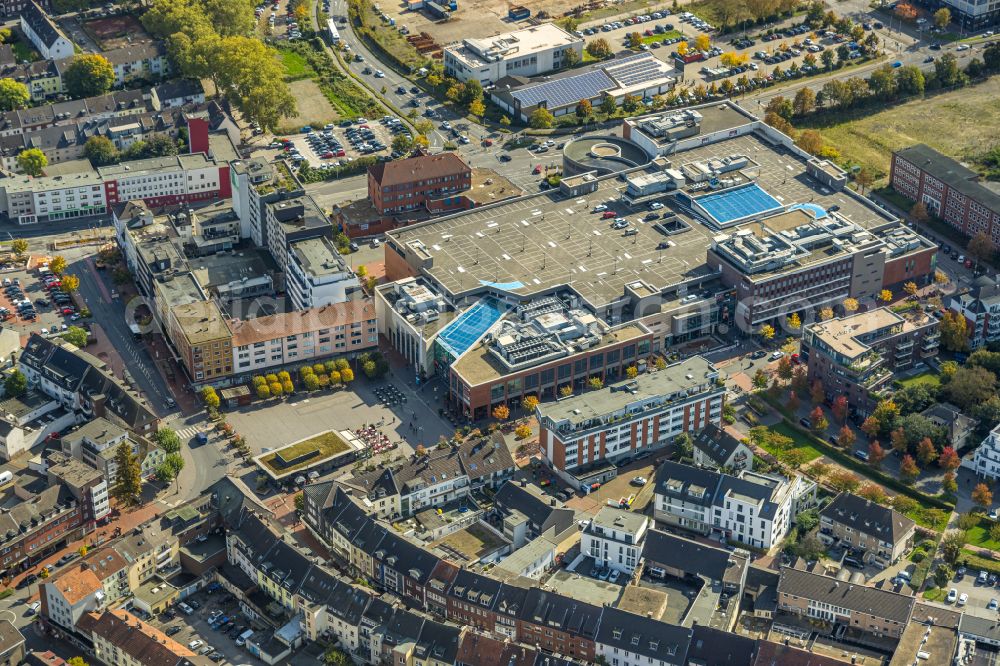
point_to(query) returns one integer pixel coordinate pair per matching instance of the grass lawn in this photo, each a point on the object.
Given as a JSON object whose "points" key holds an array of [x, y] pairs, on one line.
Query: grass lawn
{"points": [[296, 66], [23, 52], [328, 444], [670, 34], [935, 594], [953, 123], [928, 378], [980, 535], [808, 451], [973, 561]]}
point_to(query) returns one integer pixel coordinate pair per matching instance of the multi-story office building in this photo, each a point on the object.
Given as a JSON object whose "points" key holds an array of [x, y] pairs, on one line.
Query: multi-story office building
{"points": [[87, 484], [526, 52], [880, 533], [432, 182], [980, 307], [542, 347], [856, 356], [754, 509], [344, 329], [293, 219], [632, 416], [949, 190], [317, 274], [793, 262], [614, 538]]}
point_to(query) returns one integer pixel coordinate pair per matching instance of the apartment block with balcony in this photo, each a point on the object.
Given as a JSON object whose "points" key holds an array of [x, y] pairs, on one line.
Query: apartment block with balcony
{"points": [[980, 306], [38, 525], [792, 262], [856, 356], [614, 538], [986, 460], [623, 419], [754, 509], [420, 182], [949, 190]]}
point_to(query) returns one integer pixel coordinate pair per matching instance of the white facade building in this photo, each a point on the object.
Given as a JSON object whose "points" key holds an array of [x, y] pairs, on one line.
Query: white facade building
{"points": [[986, 460], [614, 538], [527, 52], [753, 509], [317, 274]]}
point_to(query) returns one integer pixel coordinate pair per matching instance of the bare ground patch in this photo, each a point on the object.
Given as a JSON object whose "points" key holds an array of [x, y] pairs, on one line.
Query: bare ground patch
{"points": [[313, 106]]}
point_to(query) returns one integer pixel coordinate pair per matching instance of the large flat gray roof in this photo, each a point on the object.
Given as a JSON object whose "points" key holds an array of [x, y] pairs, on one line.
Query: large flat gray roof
{"points": [[538, 243], [689, 373]]}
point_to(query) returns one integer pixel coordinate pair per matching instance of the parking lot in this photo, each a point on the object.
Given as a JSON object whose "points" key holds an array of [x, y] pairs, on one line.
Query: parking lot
{"points": [[336, 145], [979, 594], [275, 19], [30, 303], [215, 640]]}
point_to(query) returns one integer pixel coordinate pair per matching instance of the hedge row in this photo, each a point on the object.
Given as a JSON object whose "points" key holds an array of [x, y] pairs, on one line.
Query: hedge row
{"points": [[852, 463]]}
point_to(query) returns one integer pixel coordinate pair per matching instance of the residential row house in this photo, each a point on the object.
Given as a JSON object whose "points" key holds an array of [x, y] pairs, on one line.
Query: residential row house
{"points": [[879, 534], [752, 509]]}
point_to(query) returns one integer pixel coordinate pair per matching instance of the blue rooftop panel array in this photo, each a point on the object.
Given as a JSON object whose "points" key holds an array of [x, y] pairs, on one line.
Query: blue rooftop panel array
{"points": [[738, 203], [563, 92], [463, 332]]}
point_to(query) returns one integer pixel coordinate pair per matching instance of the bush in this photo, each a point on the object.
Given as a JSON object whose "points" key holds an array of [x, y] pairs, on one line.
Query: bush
{"points": [[918, 556], [259, 381]]}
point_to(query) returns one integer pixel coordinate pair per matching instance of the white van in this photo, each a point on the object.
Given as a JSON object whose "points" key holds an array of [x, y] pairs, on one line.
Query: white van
{"points": [[242, 640]]}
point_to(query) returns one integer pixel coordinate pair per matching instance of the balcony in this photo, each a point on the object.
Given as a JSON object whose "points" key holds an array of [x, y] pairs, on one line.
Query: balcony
{"points": [[904, 346], [865, 363], [876, 378]]}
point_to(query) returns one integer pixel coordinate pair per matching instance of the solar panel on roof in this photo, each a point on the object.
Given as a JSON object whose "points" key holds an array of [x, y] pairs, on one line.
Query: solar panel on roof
{"points": [[563, 92]]}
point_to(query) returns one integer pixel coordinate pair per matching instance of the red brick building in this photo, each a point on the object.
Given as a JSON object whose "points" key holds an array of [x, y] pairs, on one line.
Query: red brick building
{"points": [[431, 182], [38, 526], [948, 190]]}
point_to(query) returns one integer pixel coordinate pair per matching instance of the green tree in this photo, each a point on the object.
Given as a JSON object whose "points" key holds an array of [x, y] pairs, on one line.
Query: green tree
{"points": [[127, 487], [951, 545], [570, 58], [16, 384], [910, 80], [335, 657], [210, 397], [943, 575], [946, 70], [88, 75], [781, 106], [252, 77], [942, 18], [541, 118], [970, 386], [75, 336], [168, 440], [599, 48], [827, 58], [100, 151], [229, 17], [19, 246], [32, 161], [804, 102], [608, 105], [980, 247], [13, 95], [684, 445]]}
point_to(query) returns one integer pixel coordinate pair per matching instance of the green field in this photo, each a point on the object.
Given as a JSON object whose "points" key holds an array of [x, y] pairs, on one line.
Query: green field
{"points": [[980, 535], [928, 378], [327, 444], [296, 66], [803, 451], [961, 124], [650, 39]]}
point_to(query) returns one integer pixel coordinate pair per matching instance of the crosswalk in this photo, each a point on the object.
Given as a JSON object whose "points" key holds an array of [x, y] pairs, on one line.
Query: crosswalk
{"points": [[187, 433]]}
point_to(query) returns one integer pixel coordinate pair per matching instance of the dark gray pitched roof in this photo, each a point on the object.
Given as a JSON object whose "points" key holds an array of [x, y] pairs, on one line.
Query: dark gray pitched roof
{"points": [[565, 613], [868, 517], [406, 558], [510, 600], [952, 173], [40, 23], [644, 636], [691, 484], [404, 625], [474, 588], [438, 642], [880, 603], [690, 556], [714, 647], [716, 443]]}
